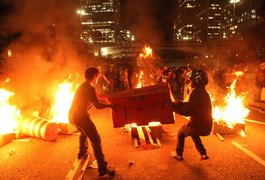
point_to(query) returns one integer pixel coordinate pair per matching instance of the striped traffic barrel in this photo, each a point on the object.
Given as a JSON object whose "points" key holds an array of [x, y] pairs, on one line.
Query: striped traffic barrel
{"points": [[40, 128]]}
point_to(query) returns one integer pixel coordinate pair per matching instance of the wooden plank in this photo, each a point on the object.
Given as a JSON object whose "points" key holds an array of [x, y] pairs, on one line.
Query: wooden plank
{"points": [[219, 136], [6, 138], [72, 172], [148, 131], [158, 142], [83, 169], [136, 143], [78, 168], [141, 136]]}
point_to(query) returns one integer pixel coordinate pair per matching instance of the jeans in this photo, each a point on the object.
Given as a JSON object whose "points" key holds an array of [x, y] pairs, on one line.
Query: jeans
{"points": [[88, 130], [184, 132]]}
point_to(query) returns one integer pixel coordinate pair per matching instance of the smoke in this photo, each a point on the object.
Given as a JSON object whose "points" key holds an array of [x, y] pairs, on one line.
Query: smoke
{"points": [[149, 20], [46, 51]]}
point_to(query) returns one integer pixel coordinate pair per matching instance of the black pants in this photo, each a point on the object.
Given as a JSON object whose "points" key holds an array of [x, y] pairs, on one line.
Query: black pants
{"points": [[184, 132], [88, 130]]}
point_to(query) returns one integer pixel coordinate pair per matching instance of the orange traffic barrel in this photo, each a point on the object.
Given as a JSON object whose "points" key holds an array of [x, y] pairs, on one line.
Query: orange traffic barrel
{"points": [[40, 128]]}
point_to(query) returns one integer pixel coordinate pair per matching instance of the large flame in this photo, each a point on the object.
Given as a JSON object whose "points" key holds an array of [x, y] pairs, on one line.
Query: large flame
{"points": [[147, 52], [233, 112], [9, 114], [63, 101], [141, 80], [145, 61]]}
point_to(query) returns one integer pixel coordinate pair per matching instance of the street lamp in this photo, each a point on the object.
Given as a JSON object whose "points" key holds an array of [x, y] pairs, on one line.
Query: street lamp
{"points": [[234, 2], [81, 13]]}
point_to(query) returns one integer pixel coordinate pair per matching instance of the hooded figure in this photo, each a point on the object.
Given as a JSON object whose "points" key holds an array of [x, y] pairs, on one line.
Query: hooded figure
{"points": [[199, 109]]}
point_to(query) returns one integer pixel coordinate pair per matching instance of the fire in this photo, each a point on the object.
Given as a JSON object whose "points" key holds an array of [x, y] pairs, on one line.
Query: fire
{"points": [[234, 110], [141, 79], [145, 62], [9, 114], [147, 52], [63, 100]]}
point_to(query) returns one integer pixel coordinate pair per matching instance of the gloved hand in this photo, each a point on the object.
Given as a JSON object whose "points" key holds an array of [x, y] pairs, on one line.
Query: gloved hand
{"points": [[170, 105]]}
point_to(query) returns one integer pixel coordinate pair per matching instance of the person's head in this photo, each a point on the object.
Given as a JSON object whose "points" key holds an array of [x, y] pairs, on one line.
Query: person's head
{"points": [[91, 73], [198, 78]]}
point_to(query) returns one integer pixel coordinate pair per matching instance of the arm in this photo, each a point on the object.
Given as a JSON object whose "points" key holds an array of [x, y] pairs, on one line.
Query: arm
{"points": [[182, 108], [96, 103]]}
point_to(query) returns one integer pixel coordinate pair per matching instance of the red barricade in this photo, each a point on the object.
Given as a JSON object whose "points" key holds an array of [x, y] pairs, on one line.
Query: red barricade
{"points": [[142, 106]]}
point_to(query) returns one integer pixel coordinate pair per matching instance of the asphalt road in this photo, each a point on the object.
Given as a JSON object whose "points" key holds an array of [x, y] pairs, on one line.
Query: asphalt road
{"points": [[234, 158]]}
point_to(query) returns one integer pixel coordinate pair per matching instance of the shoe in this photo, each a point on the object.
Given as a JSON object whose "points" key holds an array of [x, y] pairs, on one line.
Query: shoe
{"points": [[110, 172], [177, 157], [82, 155], [204, 157]]}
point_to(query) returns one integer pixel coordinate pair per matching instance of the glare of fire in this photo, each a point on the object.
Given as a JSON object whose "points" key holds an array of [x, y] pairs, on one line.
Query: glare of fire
{"points": [[63, 101], [147, 52], [9, 114], [234, 110]]}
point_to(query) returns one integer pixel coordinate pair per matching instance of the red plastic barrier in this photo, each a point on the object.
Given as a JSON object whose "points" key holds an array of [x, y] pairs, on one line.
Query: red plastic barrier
{"points": [[142, 106]]}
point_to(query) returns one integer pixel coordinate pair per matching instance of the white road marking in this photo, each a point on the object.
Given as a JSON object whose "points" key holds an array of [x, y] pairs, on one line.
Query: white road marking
{"points": [[251, 154], [253, 121]]}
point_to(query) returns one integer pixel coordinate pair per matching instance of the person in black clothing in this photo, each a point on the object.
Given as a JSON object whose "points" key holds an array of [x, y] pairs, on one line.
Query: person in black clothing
{"points": [[79, 116], [199, 109]]}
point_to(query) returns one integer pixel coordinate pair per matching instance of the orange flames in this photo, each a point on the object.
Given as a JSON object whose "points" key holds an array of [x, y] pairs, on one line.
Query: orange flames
{"points": [[147, 52], [144, 61], [233, 112], [9, 114], [141, 80], [63, 100]]}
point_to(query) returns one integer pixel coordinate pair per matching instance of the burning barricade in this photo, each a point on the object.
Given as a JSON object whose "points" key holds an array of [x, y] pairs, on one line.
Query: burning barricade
{"points": [[229, 116], [16, 124], [9, 117]]}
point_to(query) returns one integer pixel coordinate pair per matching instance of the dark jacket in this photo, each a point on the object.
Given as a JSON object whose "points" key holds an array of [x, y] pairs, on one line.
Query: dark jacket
{"points": [[199, 109], [84, 98]]}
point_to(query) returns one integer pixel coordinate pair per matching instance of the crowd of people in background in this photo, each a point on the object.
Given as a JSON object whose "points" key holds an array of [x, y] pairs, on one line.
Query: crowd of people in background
{"points": [[119, 78], [114, 78]]}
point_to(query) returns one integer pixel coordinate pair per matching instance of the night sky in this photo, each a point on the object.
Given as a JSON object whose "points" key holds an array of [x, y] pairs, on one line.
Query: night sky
{"points": [[149, 20]]}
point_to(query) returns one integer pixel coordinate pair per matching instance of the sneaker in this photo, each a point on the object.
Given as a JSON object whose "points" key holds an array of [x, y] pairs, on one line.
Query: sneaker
{"points": [[177, 157], [110, 172], [204, 157]]}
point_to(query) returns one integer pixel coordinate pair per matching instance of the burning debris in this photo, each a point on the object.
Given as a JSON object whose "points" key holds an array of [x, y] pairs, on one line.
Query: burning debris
{"points": [[229, 116], [16, 123], [10, 115]]}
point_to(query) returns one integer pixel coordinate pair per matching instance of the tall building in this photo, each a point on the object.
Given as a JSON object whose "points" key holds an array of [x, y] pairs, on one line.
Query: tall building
{"points": [[239, 16], [186, 21], [198, 21], [100, 21]]}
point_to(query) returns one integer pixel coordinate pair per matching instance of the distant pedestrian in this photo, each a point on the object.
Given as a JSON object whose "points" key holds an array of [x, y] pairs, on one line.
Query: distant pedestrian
{"points": [[199, 109], [79, 116]]}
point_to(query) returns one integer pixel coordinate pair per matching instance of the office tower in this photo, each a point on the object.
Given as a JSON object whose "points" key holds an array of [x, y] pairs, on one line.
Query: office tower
{"points": [[198, 21], [100, 21], [239, 16]]}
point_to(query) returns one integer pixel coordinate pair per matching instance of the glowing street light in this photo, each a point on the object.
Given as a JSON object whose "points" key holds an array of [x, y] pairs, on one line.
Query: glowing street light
{"points": [[234, 2], [81, 12]]}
